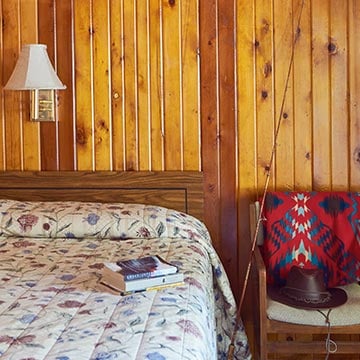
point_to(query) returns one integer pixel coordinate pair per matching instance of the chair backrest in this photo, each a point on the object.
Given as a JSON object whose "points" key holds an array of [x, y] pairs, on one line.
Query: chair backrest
{"points": [[312, 229]]}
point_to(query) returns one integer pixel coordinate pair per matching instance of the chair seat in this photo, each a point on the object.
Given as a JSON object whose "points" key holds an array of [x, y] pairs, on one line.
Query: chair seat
{"points": [[347, 314]]}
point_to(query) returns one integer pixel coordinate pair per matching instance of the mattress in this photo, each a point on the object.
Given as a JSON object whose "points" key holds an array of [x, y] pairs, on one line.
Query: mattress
{"points": [[53, 307]]}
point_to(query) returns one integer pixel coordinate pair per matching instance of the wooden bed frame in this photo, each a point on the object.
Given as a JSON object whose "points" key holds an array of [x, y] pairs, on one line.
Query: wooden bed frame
{"points": [[179, 190]]}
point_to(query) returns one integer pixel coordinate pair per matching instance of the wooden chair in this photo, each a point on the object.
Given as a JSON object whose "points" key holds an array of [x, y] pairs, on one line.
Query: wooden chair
{"points": [[277, 337]]}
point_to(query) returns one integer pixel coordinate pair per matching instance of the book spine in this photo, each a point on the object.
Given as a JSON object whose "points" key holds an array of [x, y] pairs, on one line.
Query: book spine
{"points": [[146, 275], [160, 287]]}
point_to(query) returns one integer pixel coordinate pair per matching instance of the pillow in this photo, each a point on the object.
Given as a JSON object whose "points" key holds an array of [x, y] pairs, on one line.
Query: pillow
{"points": [[73, 219], [312, 230]]}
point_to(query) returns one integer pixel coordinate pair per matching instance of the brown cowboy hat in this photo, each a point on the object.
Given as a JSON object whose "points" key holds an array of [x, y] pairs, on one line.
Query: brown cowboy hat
{"points": [[305, 289]]}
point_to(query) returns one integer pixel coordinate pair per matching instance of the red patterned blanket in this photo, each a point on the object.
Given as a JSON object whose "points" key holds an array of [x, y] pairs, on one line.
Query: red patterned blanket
{"points": [[312, 229]]}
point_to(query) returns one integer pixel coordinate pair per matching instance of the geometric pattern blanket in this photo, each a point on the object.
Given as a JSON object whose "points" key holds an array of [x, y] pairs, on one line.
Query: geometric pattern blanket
{"points": [[312, 230]]}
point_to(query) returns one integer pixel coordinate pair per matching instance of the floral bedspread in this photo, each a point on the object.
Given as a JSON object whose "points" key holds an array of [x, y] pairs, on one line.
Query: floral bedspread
{"points": [[52, 305]]}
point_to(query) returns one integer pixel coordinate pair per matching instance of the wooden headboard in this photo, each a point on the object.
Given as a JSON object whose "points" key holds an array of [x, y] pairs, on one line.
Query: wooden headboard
{"points": [[179, 190]]}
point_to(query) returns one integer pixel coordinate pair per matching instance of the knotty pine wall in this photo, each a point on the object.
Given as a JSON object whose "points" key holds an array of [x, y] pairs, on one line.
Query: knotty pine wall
{"points": [[193, 85]]}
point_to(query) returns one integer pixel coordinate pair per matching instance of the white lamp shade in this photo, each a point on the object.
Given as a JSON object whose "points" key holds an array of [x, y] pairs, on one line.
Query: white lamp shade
{"points": [[33, 70]]}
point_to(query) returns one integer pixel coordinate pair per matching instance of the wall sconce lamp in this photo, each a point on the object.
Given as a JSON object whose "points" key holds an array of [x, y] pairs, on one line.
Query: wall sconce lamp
{"points": [[33, 71]]}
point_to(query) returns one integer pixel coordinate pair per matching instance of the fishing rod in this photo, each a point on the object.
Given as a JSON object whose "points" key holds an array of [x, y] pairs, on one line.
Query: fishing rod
{"points": [[231, 348]]}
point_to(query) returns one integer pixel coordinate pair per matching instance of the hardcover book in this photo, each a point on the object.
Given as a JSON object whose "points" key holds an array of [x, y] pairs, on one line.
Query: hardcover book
{"points": [[145, 267], [153, 283], [140, 274]]}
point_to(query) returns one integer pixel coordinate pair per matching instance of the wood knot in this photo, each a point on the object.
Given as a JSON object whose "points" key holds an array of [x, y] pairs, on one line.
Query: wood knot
{"points": [[211, 188], [356, 156], [267, 69], [81, 138], [102, 125], [171, 2], [332, 48], [266, 26], [264, 94]]}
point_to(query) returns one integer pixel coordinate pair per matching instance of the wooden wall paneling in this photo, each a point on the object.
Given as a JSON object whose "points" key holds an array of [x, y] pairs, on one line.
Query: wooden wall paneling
{"points": [[102, 93], [130, 90], [156, 88], [171, 56], [354, 92], [65, 100], [321, 95], [227, 139], [246, 172], [143, 88], [301, 94], [338, 49], [264, 89], [209, 116], [30, 130], [2, 114], [13, 158], [117, 91], [48, 130], [190, 112], [83, 44], [283, 43]]}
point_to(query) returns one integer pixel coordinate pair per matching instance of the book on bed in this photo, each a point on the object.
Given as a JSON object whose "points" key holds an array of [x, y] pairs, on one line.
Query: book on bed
{"points": [[140, 274], [153, 283], [141, 268]]}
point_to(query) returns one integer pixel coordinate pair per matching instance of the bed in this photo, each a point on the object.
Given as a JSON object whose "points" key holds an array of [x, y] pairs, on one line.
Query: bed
{"points": [[57, 230]]}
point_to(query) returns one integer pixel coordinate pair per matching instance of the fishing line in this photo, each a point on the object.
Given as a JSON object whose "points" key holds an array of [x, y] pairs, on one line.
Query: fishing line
{"points": [[231, 348]]}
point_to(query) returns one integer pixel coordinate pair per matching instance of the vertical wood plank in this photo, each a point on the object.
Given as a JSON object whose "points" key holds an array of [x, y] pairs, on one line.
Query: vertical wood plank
{"points": [[48, 130], [264, 89], [283, 47], [102, 73], [190, 113], [209, 119], [2, 112], [246, 172], [321, 95], [31, 130], [227, 137], [174, 137], [12, 99], [84, 84], [338, 49], [354, 90], [156, 86], [65, 99], [117, 95], [142, 52], [130, 91], [302, 98]]}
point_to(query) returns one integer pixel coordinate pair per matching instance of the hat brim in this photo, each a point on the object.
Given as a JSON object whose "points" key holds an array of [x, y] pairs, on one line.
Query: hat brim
{"points": [[337, 297]]}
